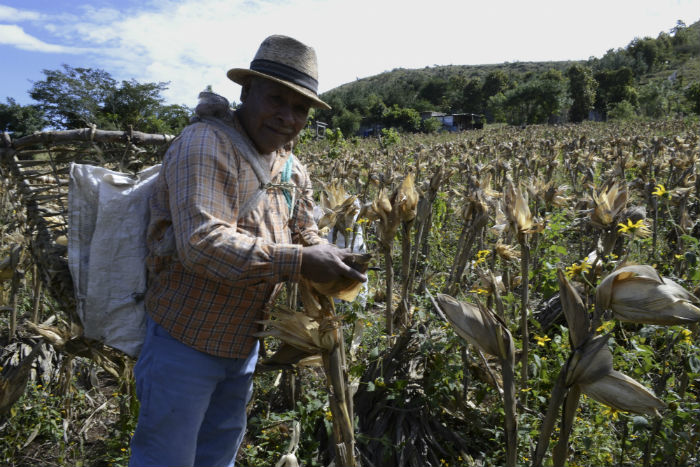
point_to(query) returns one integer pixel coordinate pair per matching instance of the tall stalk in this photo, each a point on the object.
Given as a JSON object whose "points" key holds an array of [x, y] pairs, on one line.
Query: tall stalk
{"points": [[389, 281], [524, 298]]}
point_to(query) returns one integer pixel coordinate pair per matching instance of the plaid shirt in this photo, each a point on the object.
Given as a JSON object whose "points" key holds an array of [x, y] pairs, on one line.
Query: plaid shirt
{"points": [[212, 293]]}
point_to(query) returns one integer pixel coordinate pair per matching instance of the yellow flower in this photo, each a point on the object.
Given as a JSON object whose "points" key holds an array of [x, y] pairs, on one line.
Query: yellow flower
{"points": [[636, 229], [578, 269], [686, 334], [611, 412], [481, 256], [479, 291], [661, 191], [542, 340], [606, 326], [329, 415]]}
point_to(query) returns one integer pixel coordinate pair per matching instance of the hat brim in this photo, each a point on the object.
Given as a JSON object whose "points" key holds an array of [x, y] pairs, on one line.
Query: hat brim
{"points": [[241, 75]]}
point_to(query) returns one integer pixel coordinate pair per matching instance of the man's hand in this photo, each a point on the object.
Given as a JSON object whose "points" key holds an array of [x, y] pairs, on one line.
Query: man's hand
{"points": [[326, 262]]}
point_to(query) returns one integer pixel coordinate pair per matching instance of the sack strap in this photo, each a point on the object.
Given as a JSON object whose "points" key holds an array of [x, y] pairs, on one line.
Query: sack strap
{"points": [[167, 246], [250, 154], [285, 178]]}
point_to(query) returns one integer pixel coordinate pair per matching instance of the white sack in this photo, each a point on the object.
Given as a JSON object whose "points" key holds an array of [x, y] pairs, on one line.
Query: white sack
{"points": [[108, 218]]}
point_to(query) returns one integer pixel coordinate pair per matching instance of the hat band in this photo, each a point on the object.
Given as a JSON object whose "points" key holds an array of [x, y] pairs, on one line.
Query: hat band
{"points": [[287, 73]]}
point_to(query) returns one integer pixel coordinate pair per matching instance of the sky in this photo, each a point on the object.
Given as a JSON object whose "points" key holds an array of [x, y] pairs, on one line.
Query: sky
{"points": [[192, 43]]}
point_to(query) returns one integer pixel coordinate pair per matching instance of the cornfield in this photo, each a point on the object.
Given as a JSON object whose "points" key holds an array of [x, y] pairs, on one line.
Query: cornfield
{"points": [[532, 300]]}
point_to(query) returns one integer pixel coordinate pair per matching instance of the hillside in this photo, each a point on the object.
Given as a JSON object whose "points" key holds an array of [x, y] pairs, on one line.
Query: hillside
{"points": [[651, 77]]}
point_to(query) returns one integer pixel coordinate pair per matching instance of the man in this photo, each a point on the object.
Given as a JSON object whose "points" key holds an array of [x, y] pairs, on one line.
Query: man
{"points": [[213, 270]]}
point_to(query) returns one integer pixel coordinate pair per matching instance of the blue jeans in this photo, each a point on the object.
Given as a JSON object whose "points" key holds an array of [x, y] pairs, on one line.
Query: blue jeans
{"points": [[193, 405]]}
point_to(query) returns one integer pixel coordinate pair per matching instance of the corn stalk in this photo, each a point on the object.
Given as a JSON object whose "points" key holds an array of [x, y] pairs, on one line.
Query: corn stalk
{"points": [[318, 332], [485, 329]]}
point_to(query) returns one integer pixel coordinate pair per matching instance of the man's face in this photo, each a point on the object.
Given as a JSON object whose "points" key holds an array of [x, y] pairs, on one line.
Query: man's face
{"points": [[272, 114]]}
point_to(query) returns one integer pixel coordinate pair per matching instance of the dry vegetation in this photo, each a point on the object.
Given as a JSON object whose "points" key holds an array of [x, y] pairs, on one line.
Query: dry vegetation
{"points": [[521, 242]]}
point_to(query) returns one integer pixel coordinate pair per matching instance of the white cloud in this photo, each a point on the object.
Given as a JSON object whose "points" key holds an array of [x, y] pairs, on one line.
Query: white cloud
{"points": [[191, 43], [8, 13], [15, 36]]}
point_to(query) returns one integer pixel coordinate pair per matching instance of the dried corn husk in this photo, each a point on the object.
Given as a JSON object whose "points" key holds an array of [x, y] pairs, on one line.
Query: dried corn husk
{"points": [[589, 363], [289, 355], [507, 252], [382, 206], [477, 325], [287, 460], [518, 213], [517, 209], [344, 288], [406, 199], [638, 294], [302, 331], [338, 206], [608, 204], [622, 393], [317, 336], [574, 311]]}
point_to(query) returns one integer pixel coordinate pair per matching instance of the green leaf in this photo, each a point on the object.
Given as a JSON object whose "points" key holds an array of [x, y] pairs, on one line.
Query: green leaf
{"points": [[690, 239]]}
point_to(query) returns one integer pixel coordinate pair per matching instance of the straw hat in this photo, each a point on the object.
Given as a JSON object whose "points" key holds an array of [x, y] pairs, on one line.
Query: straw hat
{"points": [[286, 61]]}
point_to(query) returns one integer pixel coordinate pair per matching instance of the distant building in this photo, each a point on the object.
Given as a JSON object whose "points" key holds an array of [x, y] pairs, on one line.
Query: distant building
{"points": [[318, 129], [450, 122], [456, 122]]}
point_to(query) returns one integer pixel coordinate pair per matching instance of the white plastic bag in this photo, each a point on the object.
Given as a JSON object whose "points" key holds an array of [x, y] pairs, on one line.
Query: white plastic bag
{"points": [[108, 218]]}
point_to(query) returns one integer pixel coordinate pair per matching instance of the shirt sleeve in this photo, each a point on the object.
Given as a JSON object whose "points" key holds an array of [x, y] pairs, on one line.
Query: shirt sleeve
{"points": [[201, 175]]}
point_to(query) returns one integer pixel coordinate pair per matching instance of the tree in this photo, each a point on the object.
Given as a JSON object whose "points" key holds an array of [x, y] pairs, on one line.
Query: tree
{"points": [[20, 120], [692, 94], [646, 54], [495, 107], [536, 101], [496, 81], [73, 98], [347, 121], [132, 103], [402, 118], [375, 109], [614, 86], [472, 100], [78, 97], [430, 125], [622, 110], [434, 91], [582, 90], [175, 118], [614, 59], [655, 100]]}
